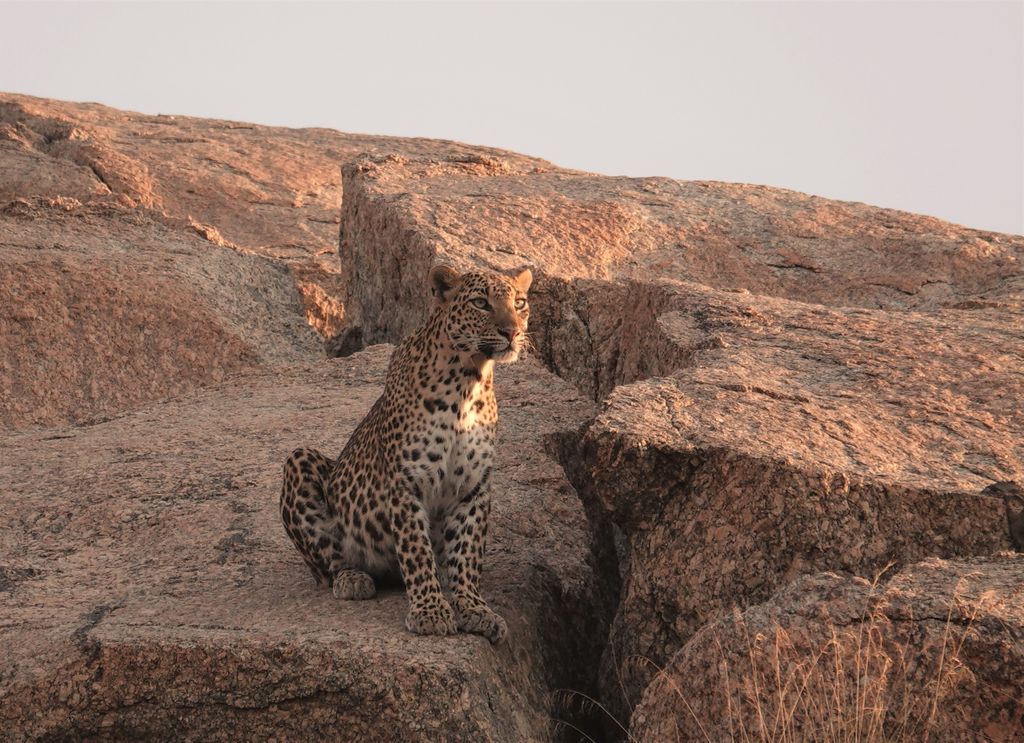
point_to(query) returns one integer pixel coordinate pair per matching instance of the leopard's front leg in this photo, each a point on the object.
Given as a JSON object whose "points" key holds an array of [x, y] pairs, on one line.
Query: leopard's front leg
{"points": [[429, 611], [465, 540]]}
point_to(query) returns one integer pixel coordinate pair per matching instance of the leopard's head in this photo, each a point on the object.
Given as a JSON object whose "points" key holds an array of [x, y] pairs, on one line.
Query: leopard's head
{"points": [[486, 314]]}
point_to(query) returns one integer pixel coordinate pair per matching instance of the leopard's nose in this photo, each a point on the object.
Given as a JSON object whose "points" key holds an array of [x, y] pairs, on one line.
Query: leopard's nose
{"points": [[509, 333]]}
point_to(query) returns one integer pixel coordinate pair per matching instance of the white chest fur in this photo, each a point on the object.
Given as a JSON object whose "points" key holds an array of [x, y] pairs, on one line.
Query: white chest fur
{"points": [[452, 454]]}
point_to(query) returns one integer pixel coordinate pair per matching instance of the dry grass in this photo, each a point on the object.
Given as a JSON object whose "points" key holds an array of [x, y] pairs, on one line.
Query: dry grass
{"points": [[851, 684], [855, 687]]}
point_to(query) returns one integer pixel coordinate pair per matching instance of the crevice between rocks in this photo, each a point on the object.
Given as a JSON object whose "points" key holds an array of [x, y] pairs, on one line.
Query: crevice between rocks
{"points": [[579, 335]]}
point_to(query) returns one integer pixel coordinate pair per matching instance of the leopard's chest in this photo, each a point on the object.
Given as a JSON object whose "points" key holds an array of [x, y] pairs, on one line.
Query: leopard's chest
{"points": [[458, 451], [452, 451]]}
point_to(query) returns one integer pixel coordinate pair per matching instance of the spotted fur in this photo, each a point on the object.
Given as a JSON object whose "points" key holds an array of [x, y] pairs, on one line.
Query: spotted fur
{"points": [[409, 494]]}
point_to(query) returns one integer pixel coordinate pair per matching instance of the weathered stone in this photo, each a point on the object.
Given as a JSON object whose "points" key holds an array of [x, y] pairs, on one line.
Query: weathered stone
{"points": [[606, 251], [827, 385], [1013, 498], [271, 190], [134, 244], [799, 438], [149, 588], [936, 653], [102, 308], [793, 385]]}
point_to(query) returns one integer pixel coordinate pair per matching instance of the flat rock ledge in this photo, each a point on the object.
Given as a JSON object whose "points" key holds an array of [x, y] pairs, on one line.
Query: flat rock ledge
{"points": [[149, 590], [935, 652]]}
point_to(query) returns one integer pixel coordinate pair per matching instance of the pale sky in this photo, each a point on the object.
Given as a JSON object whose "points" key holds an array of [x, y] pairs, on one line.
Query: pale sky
{"points": [[917, 105]]}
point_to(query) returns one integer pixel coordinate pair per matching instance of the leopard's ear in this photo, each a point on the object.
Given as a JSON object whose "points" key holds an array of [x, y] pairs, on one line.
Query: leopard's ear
{"points": [[443, 282], [523, 280]]}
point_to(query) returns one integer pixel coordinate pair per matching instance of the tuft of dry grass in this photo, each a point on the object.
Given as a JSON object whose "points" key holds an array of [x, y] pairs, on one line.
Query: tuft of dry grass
{"points": [[852, 683], [856, 686], [859, 685]]}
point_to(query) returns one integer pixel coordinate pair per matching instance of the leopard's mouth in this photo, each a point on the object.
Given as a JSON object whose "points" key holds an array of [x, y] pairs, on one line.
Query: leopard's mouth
{"points": [[507, 355], [503, 353]]}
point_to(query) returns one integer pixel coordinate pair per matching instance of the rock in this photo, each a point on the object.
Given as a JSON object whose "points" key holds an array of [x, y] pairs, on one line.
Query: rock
{"points": [[799, 438], [134, 246], [149, 590], [1013, 497], [815, 385], [935, 652], [607, 251], [791, 386], [103, 308], [271, 190]]}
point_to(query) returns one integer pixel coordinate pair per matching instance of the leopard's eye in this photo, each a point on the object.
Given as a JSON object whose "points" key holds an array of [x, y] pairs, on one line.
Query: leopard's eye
{"points": [[521, 303], [480, 303]]}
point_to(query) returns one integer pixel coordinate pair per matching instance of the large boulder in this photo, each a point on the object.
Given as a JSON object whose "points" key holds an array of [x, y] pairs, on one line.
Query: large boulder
{"points": [[103, 308], [148, 588], [147, 255], [799, 438], [934, 653], [606, 252], [793, 384]]}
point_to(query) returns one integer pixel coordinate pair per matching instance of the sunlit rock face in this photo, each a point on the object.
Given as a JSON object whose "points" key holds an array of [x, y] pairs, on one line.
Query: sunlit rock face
{"points": [[736, 397], [145, 256], [790, 384]]}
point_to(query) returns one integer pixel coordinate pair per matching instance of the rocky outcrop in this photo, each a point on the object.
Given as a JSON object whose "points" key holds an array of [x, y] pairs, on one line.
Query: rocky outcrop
{"points": [[125, 234], [148, 585], [270, 190], [102, 308], [803, 384], [607, 251], [936, 653], [790, 386], [800, 438]]}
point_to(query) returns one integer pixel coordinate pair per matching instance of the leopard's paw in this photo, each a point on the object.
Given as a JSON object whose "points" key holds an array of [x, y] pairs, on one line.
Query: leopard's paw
{"points": [[353, 585], [480, 619], [431, 617]]}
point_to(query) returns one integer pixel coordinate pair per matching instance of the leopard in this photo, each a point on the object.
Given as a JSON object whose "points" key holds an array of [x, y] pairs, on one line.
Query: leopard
{"points": [[409, 497]]}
